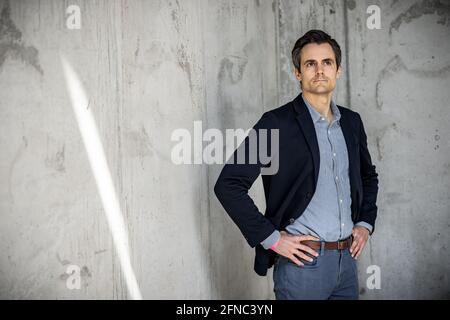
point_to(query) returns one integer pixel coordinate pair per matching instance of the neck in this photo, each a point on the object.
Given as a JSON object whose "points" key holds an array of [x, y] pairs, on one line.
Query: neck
{"points": [[320, 102]]}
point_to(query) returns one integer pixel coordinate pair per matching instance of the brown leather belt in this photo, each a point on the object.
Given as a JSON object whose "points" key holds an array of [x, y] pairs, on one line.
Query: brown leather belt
{"points": [[336, 245]]}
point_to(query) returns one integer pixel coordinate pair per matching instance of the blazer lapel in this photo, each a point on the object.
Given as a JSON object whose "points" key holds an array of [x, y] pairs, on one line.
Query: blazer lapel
{"points": [[307, 126], [352, 144]]}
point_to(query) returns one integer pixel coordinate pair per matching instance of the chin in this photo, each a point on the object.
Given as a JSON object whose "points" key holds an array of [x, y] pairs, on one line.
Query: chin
{"points": [[321, 90]]}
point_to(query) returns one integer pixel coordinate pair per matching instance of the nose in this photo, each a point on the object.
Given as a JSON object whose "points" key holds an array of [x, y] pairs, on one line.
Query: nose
{"points": [[319, 69]]}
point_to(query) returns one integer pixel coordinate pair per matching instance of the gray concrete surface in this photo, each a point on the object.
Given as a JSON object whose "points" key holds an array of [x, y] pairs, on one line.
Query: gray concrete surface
{"points": [[150, 67]]}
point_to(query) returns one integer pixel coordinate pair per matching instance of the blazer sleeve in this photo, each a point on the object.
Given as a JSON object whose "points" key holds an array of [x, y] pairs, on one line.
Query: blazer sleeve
{"points": [[235, 180], [369, 177]]}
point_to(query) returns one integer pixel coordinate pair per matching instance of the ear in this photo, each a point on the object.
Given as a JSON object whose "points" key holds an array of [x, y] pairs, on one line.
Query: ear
{"points": [[338, 73], [298, 74]]}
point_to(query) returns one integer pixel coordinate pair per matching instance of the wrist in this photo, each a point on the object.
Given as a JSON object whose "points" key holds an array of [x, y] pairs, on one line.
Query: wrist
{"points": [[275, 245]]}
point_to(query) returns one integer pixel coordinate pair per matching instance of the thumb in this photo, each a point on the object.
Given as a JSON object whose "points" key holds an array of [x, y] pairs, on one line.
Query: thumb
{"points": [[308, 237]]}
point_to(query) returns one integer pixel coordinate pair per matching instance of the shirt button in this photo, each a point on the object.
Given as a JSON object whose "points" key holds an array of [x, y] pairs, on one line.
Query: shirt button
{"points": [[336, 177], [334, 154], [340, 200], [321, 118], [328, 131], [291, 220], [342, 224]]}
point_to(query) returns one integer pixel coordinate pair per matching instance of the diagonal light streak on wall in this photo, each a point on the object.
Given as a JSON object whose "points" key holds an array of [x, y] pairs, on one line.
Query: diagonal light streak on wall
{"points": [[102, 175]]}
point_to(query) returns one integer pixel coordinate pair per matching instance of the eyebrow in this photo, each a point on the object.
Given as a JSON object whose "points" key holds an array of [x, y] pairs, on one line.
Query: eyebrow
{"points": [[325, 60]]}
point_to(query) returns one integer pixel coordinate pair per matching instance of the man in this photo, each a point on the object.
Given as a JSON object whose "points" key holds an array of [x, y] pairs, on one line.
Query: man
{"points": [[321, 203]]}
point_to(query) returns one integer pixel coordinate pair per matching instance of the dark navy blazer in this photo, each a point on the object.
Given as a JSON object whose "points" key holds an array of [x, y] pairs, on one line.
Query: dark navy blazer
{"points": [[289, 191]]}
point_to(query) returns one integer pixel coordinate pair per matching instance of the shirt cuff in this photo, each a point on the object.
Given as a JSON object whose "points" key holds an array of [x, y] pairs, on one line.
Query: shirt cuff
{"points": [[365, 225], [271, 240]]}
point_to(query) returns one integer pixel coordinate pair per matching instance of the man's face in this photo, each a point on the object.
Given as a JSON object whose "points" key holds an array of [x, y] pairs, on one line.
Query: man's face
{"points": [[318, 69]]}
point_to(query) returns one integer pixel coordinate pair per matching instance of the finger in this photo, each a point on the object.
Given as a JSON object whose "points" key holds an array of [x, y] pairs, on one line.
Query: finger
{"points": [[307, 249], [354, 252], [360, 250], [354, 248], [303, 256], [308, 237], [295, 260], [354, 245]]}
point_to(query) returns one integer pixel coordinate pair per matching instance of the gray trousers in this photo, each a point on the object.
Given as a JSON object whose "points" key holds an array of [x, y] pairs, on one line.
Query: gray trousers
{"points": [[331, 275]]}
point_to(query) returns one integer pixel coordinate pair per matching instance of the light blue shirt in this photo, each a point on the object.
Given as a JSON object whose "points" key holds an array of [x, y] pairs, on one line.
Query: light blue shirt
{"points": [[328, 214]]}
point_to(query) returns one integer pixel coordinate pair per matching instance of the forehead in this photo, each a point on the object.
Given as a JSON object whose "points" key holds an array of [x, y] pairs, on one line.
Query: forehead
{"points": [[314, 51]]}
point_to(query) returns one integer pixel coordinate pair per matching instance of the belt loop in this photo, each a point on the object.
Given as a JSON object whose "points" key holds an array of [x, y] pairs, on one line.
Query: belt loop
{"points": [[322, 247]]}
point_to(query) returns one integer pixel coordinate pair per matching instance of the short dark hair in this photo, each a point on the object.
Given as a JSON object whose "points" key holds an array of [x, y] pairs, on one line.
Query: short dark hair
{"points": [[315, 36]]}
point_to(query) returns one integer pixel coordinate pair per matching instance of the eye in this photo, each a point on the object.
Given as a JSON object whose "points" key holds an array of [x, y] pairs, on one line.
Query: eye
{"points": [[328, 63], [309, 64]]}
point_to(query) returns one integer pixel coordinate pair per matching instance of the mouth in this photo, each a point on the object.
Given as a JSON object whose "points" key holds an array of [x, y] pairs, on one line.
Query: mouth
{"points": [[320, 80]]}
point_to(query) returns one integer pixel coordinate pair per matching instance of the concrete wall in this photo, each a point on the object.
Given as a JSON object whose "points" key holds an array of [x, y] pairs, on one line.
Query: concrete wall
{"points": [[150, 67]]}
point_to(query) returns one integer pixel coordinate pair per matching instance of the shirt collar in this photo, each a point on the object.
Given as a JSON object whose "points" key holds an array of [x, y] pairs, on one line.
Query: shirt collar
{"points": [[315, 115]]}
